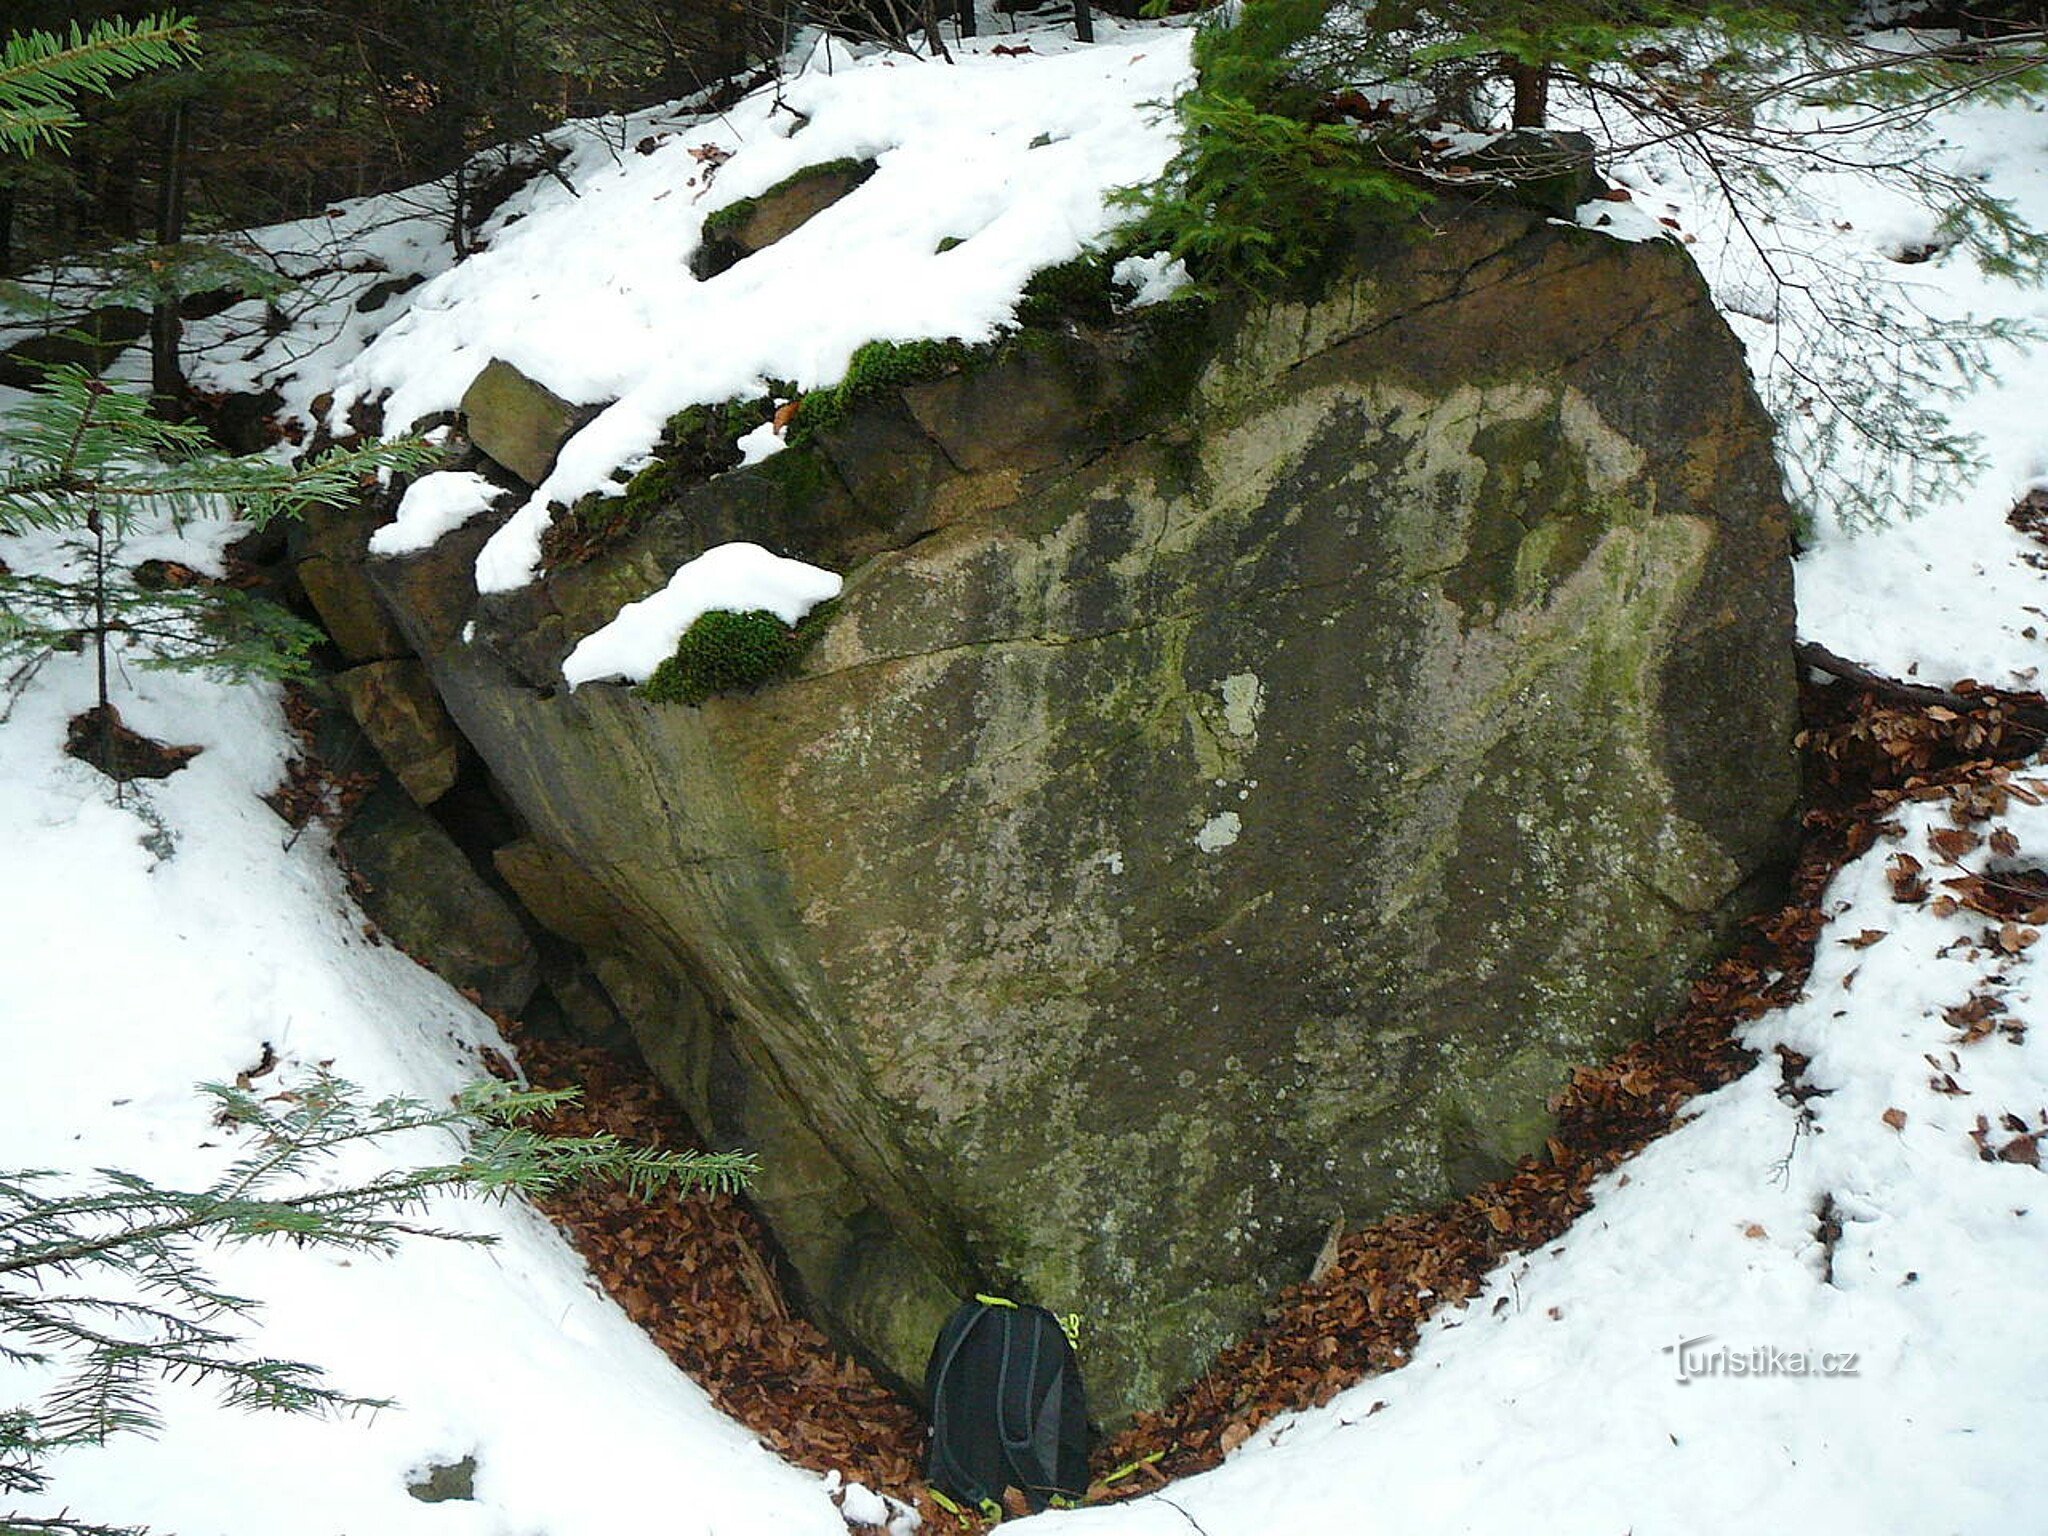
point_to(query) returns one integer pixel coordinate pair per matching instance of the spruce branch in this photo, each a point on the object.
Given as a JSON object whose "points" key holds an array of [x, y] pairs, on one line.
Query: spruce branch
{"points": [[105, 1281], [41, 72]]}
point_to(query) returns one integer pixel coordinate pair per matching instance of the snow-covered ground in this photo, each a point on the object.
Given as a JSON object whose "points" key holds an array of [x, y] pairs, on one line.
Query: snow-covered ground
{"points": [[1691, 1357]]}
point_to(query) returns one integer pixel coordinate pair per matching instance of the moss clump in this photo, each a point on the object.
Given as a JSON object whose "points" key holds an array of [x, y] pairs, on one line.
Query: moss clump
{"points": [[1080, 289], [799, 474], [1177, 339], [725, 652], [878, 367], [722, 224], [704, 440]]}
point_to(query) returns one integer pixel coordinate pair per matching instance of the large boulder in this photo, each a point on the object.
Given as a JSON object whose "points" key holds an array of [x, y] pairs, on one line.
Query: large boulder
{"points": [[1243, 813]]}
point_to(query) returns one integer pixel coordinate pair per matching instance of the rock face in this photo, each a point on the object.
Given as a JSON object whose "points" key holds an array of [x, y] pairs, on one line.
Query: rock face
{"points": [[1250, 767], [395, 705]]}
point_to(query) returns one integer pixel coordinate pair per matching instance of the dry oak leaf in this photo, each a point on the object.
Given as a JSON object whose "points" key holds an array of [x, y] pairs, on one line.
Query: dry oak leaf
{"points": [[2012, 938], [1895, 1118], [1904, 873], [1866, 938], [1953, 842]]}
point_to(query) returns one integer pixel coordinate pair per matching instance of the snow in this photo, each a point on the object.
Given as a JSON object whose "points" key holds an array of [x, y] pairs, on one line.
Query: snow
{"points": [[131, 975], [737, 577], [1937, 591], [432, 506], [1153, 279], [152, 944], [589, 291]]}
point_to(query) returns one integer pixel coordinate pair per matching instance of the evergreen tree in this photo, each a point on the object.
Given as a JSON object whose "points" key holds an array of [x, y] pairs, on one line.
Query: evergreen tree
{"points": [[1310, 120], [43, 73], [85, 461], [106, 1287]]}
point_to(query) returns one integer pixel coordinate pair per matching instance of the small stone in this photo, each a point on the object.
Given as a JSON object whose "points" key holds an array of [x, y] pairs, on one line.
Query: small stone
{"points": [[445, 1480]]}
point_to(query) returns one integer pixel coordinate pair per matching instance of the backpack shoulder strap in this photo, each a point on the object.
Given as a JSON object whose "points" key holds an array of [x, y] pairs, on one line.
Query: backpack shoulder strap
{"points": [[1041, 1414], [947, 1469]]}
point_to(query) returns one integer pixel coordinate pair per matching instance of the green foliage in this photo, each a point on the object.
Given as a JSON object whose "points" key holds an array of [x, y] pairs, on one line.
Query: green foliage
{"points": [[725, 652], [88, 460], [875, 369], [208, 627], [79, 446], [1259, 191], [105, 1284], [41, 72], [145, 276]]}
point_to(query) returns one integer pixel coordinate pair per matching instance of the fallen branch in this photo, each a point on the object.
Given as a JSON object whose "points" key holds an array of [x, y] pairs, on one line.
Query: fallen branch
{"points": [[2029, 711]]}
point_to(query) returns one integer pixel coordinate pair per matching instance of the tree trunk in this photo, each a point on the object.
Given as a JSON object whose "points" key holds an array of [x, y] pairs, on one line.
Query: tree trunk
{"points": [[1084, 21], [166, 330], [1532, 93]]}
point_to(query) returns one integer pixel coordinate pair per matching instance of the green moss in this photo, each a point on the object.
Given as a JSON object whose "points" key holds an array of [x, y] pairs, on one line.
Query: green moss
{"points": [[729, 218], [1177, 340], [1080, 289], [800, 476], [877, 368], [725, 652], [703, 440]]}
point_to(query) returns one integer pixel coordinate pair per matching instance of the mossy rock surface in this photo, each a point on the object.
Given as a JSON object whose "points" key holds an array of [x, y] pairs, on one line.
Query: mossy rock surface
{"points": [[739, 229], [1244, 816], [697, 444]]}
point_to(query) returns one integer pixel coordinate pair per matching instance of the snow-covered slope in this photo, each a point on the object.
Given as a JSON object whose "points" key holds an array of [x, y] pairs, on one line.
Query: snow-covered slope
{"points": [[1592, 1388], [148, 946], [987, 169]]}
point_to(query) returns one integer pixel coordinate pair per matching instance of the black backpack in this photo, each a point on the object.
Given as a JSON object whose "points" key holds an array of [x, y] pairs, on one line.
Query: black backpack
{"points": [[1007, 1408]]}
